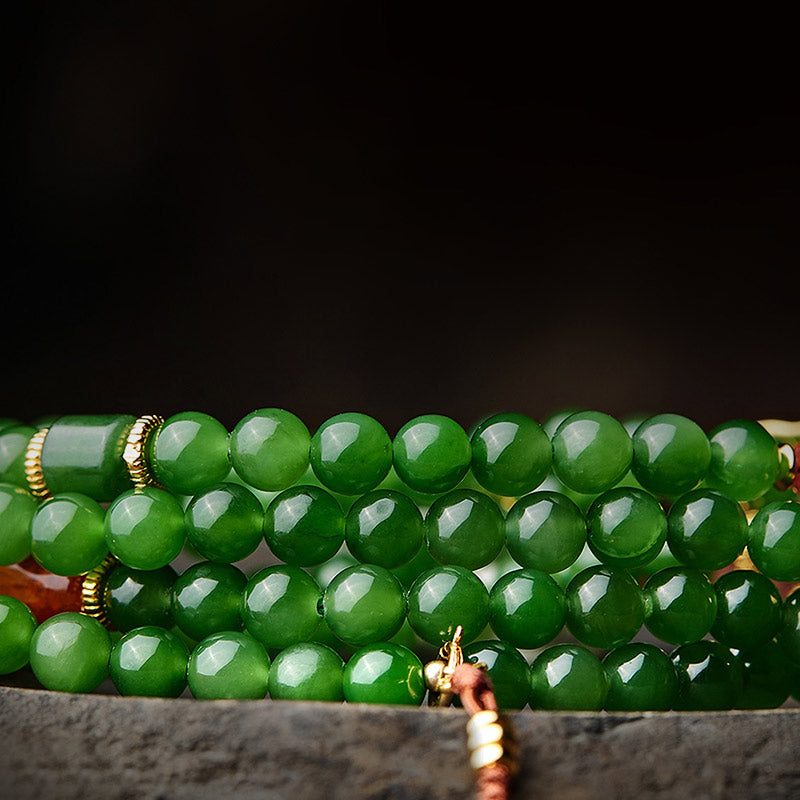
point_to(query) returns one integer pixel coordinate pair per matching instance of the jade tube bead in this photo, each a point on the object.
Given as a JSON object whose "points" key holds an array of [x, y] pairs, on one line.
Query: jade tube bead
{"points": [[13, 446]]}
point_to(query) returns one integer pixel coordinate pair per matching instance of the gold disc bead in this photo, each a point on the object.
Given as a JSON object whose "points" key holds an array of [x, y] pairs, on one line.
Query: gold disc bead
{"points": [[135, 453], [33, 466], [93, 589]]}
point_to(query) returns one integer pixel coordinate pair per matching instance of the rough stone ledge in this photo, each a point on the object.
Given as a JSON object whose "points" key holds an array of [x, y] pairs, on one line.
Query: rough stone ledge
{"points": [[105, 746]]}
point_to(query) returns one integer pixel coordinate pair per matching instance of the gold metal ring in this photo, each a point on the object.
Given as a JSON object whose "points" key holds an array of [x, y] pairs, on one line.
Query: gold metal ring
{"points": [[33, 465], [135, 453], [93, 589]]}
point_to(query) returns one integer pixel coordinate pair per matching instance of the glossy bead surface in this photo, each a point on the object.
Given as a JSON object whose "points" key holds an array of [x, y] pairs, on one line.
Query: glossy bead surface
{"points": [[670, 454], [384, 527], [769, 676], [144, 528], [568, 677], [134, 598], [774, 541], [17, 625], [511, 454], [69, 653], [279, 606], [507, 670], [207, 598], [591, 452], [13, 446], [444, 597], [224, 523], [432, 453], [189, 452], [17, 508], [710, 677], [680, 605], [304, 526], [385, 673], [149, 662], [545, 531], [749, 609], [706, 530], [364, 604], [527, 608], [67, 534], [789, 634], [228, 665], [744, 459], [626, 528], [605, 607], [641, 677], [466, 528], [307, 671], [269, 449]]}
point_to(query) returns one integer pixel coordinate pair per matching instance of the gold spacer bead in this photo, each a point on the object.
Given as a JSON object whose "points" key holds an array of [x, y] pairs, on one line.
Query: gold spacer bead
{"points": [[135, 448], [33, 466], [93, 588]]}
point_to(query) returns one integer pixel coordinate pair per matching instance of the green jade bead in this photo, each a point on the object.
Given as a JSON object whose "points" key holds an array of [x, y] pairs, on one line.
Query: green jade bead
{"points": [[207, 598], [189, 453], [9, 422], [443, 598], [511, 454], [706, 530], [364, 604], [17, 509], [749, 609], [224, 523], [789, 634], [269, 449], [680, 605], [769, 676], [432, 453], [83, 454], [17, 625], [774, 541], [545, 531], [568, 677], [304, 526], [507, 670], [744, 460], [626, 528], [351, 453], [13, 446], [408, 573], [466, 528], [591, 452], [69, 653], [710, 677], [135, 598], [605, 607], [144, 528], [671, 454], [149, 662], [230, 666], [67, 534], [307, 671], [527, 608], [641, 677], [384, 673]]}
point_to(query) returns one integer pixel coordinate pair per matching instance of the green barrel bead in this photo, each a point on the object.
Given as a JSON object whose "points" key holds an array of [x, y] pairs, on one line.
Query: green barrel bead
{"points": [[591, 452], [384, 673], [280, 606], [351, 453], [207, 598], [432, 453], [710, 677], [224, 523], [641, 677], [680, 605], [67, 534], [568, 677], [744, 459], [443, 598], [384, 527], [269, 449], [144, 528], [364, 604], [17, 509], [150, 662], [511, 454], [774, 541], [135, 598], [304, 526], [671, 454], [626, 528], [507, 670], [706, 530], [307, 671], [466, 528], [69, 653], [17, 625], [545, 531], [13, 446], [228, 665], [527, 608], [605, 607], [749, 609], [189, 453], [789, 633], [769, 676]]}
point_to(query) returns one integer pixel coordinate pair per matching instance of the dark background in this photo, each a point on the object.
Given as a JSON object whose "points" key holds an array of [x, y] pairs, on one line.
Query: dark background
{"points": [[330, 207]]}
